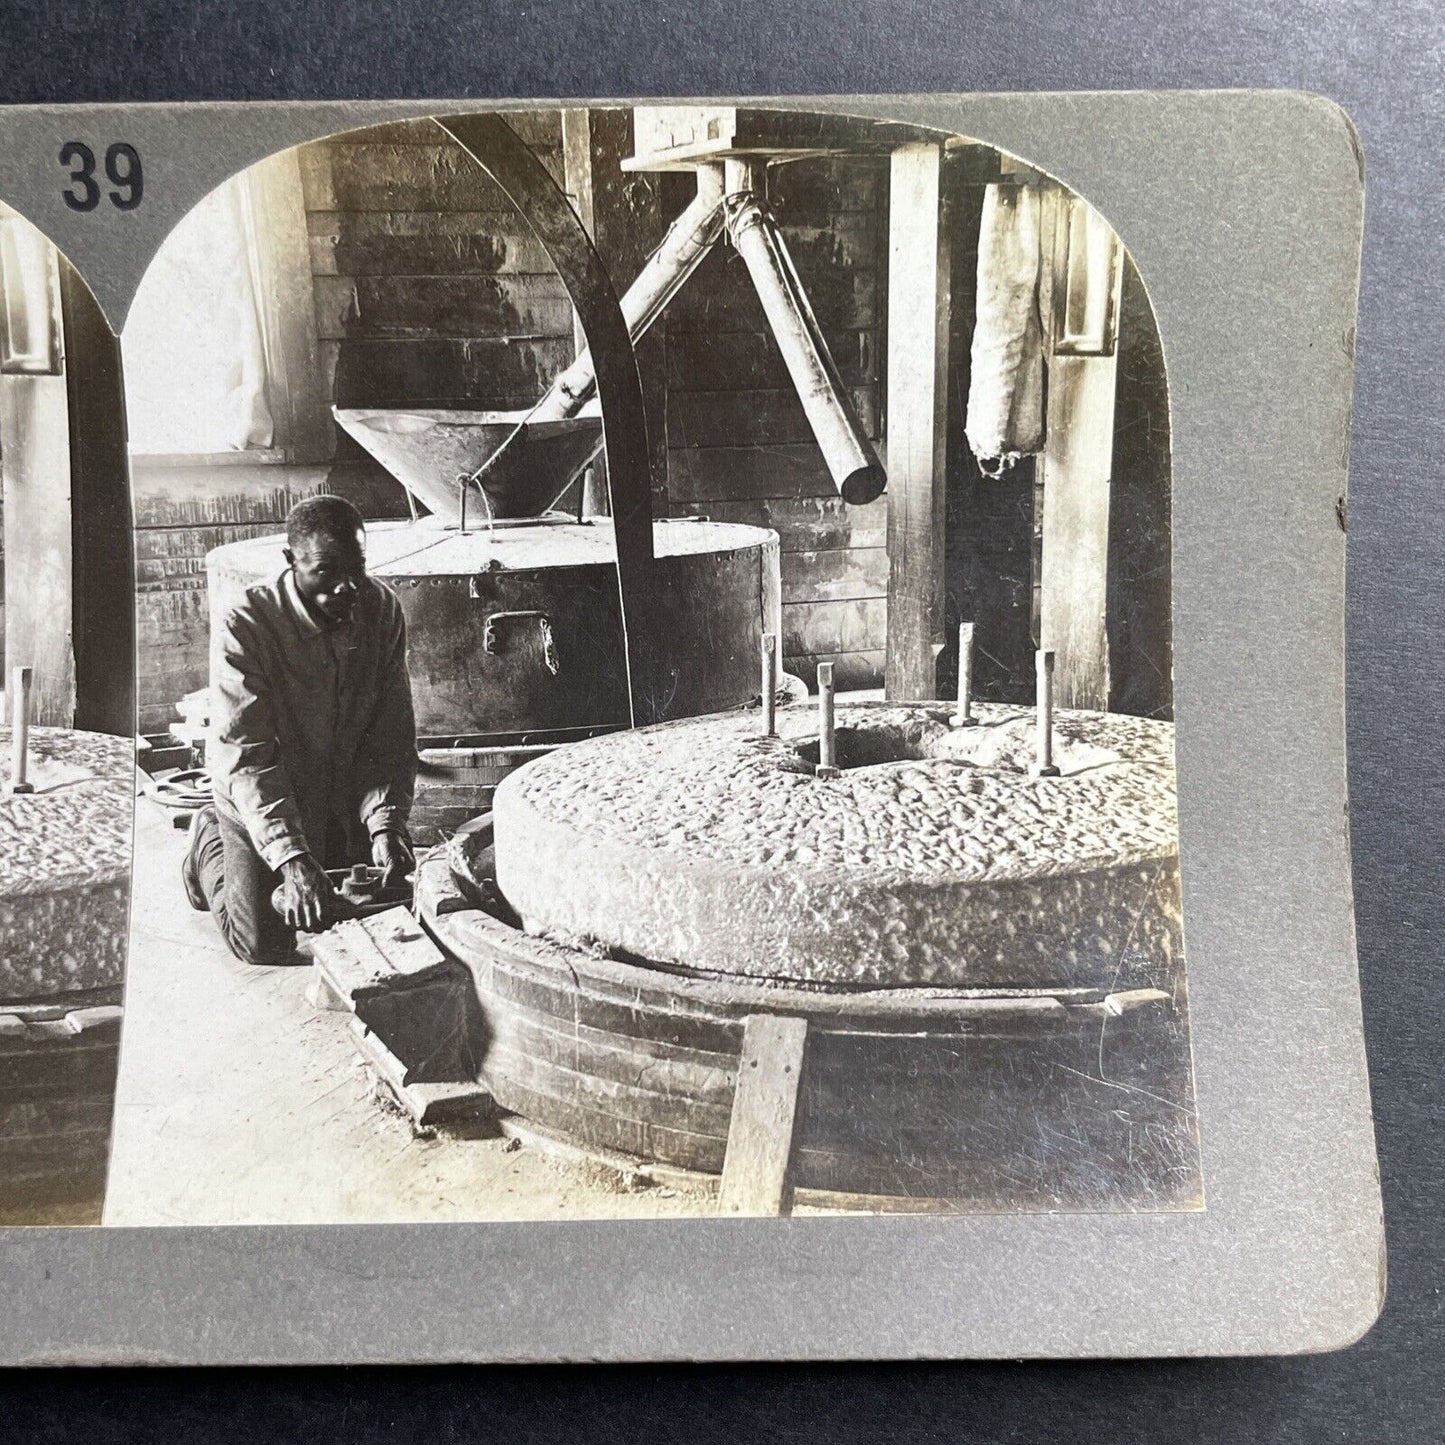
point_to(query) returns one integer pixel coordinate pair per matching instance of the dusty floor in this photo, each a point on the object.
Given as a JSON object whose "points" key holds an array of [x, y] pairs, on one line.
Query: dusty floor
{"points": [[240, 1103]]}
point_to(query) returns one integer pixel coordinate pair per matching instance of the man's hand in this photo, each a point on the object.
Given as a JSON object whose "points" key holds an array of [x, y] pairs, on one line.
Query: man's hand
{"points": [[392, 854], [306, 896]]}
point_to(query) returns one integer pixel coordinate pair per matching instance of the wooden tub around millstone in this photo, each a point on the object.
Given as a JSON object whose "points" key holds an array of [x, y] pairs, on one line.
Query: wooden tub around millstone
{"points": [[65, 854], [994, 1018], [457, 778]]}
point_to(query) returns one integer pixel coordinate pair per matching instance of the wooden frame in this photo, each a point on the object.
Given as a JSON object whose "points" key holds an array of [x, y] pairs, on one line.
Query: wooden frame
{"points": [[1085, 319], [30, 329]]}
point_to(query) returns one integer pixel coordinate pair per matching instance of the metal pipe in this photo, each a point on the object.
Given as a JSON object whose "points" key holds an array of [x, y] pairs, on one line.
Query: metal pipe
{"points": [[770, 684], [963, 717], [20, 730], [682, 250], [1044, 750], [754, 233], [827, 737]]}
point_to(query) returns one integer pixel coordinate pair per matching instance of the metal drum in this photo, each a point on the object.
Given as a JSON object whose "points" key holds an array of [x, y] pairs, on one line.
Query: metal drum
{"points": [[516, 628]]}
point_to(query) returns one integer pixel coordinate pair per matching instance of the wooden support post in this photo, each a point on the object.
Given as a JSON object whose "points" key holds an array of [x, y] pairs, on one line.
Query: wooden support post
{"points": [[757, 1169], [1081, 273], [577, 182], [919, 299], [102, 625]]}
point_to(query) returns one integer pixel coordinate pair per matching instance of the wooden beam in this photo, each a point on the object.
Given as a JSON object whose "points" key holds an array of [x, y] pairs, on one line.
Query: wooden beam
{"points": [[919, 299], [102, 584], [757, 1169], [1141, 658], [622, 215], [1076, 465], [577, 181]]}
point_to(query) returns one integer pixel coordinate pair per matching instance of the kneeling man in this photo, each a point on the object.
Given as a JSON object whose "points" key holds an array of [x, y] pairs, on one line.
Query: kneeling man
{"points": [[313, 740]]}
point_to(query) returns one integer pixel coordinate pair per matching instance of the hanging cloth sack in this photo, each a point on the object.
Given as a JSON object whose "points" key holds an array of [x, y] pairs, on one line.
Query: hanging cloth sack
{"points": [[1006, 388]]}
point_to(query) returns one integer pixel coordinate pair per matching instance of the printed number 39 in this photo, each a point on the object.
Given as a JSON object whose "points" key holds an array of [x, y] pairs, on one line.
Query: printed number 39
{"points": [[122, 170]]}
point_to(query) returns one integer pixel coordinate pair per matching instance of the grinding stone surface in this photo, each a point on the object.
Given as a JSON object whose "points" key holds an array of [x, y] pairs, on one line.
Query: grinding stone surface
{"points": [[938, 860], [65, 854]]}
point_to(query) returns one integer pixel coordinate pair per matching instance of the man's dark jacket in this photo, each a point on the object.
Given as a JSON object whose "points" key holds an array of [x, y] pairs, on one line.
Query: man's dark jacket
{"points": [[313, 738]]}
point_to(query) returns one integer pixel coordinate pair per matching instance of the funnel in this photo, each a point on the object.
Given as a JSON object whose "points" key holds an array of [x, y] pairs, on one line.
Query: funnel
{"points": [[427, 451]]}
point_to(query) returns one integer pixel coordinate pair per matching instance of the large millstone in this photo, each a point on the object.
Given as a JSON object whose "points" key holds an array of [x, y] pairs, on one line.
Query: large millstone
{"points": [[65, 853], [935, 858], [988, 964], [481, 660]]}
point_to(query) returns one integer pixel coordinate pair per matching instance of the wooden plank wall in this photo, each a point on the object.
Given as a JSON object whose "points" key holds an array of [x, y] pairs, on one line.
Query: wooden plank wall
{"points": [[739, 447], [429, 290], [182, 510]]}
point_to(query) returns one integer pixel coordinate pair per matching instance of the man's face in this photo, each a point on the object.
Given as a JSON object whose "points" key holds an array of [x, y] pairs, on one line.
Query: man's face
{"points": [[329, 573]]}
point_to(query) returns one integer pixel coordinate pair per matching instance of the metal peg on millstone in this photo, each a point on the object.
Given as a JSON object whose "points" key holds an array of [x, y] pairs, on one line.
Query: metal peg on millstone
{"points": [[1044, 759], [963, 717], [20, 730], [770, 684], [827, 738]]}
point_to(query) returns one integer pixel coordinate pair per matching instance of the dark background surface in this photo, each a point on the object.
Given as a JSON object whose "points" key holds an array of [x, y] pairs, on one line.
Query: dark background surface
{"points": [[1386, 64]]}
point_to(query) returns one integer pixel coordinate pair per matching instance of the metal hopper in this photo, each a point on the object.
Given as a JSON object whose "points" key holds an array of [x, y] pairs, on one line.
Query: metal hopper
{"points": [[430, 453], [523, 461]]}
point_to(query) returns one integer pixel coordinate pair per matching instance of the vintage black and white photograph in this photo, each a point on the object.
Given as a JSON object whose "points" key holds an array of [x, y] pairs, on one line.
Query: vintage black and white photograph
{"points": [[653, 684], [66, 791]]}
